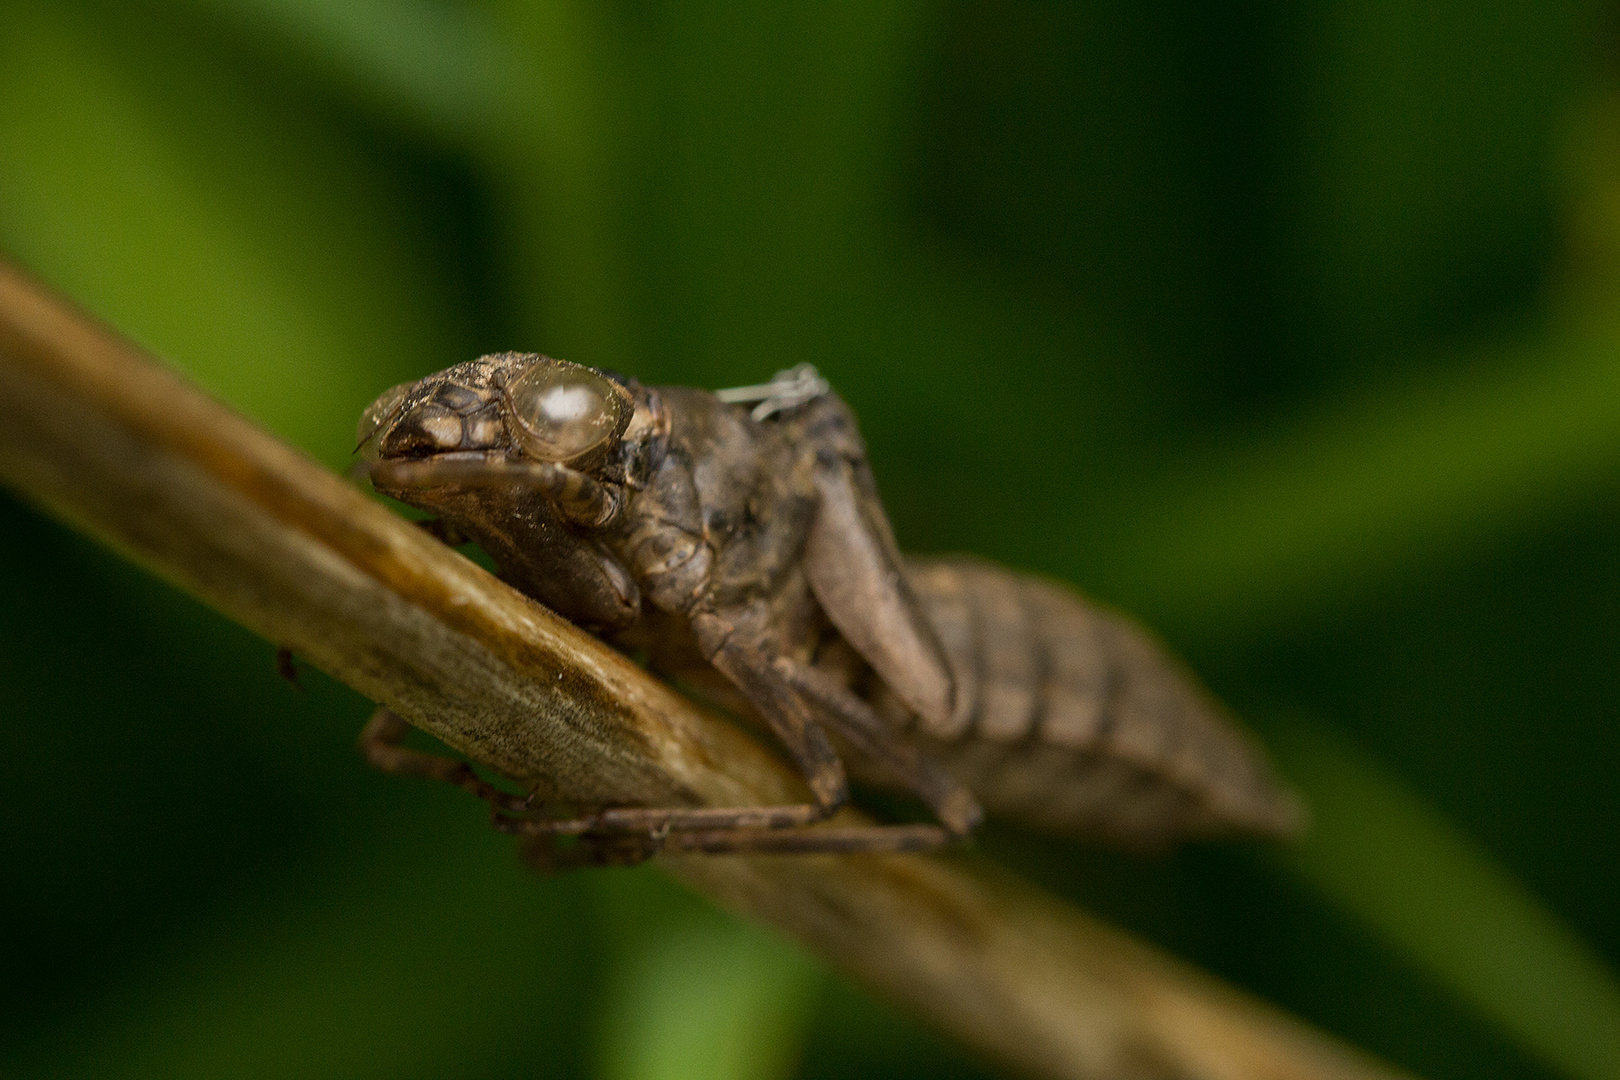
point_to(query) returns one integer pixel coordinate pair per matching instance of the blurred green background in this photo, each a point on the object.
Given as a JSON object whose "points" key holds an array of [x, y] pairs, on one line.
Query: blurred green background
{"points": [[1293, 328]]}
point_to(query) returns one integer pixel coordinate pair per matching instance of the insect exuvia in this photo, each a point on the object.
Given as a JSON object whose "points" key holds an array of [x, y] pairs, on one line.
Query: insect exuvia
{"points": [[737, 538]]}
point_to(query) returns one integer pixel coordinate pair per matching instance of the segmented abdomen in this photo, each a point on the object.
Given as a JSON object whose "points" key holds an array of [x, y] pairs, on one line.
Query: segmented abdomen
{"points": [[1070, 717]]}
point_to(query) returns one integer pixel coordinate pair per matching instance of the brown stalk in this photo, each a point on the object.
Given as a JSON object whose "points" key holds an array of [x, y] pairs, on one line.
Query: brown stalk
{"points": [[109, 440]]}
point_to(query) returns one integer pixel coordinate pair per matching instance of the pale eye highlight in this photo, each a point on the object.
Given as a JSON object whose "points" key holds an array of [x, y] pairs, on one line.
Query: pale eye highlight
{"points": [[562, 412], [568, 405]]}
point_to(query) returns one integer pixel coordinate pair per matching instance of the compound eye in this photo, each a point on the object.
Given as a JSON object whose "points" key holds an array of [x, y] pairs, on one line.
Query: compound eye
{"points": [[563, 412], [379, 415]]}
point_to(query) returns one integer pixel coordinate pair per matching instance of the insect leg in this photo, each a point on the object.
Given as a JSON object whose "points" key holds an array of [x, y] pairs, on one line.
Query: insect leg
{"points": [[638, 819], [545, 853], [614, 836], [629, 835], [859, 839], [623, 835], [856, 721], [786, 713], [379, 742]]}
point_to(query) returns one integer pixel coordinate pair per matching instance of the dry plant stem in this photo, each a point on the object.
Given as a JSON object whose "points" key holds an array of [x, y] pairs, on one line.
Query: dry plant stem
{"points": [[120, 446]]}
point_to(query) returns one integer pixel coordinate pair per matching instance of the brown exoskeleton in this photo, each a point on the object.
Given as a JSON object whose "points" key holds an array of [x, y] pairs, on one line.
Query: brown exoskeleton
{"points": [[738, 539]]}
